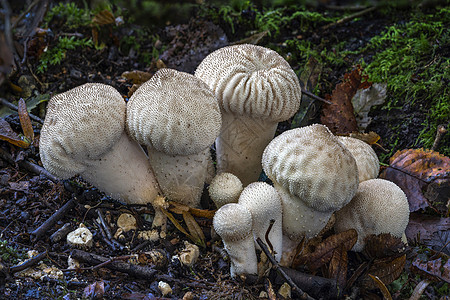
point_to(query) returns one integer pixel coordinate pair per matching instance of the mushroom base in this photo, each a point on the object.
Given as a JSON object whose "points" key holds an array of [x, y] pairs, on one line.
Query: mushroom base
{"points": [[181, 178], [299, 220], [240, 146]]}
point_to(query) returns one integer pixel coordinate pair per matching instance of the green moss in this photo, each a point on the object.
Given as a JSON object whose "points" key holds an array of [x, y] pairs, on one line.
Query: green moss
{"points": [[9, 254], [72, 16], [411, 58]]}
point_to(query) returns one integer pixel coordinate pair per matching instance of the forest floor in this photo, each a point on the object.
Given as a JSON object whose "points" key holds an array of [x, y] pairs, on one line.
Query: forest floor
{"points": [[54, 47]]}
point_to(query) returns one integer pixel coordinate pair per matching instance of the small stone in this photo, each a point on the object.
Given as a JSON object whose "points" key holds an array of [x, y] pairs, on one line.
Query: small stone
{"points": [[165, 288]]}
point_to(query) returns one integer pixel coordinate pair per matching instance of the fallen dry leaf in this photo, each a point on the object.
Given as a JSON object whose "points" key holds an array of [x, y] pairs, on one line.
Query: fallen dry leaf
{"points": [[25, 120], [339, 116], [413, 170], [95, 290], [382, 287], [386, 269], [136, 76], [324, 251], [7, 134], [382, 246], [363, 101], [423, 227], [103, 17], [338, 266], [435, 270], [370, 138]]}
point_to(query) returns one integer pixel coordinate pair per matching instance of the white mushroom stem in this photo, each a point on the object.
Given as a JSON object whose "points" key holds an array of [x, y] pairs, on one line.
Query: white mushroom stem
{"points": [[240, 146], [181, 177], [299, 220]]}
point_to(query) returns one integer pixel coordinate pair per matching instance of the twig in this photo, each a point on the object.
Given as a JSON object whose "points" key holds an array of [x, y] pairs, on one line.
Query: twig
{"points": [[349, 18], [45, 227], [97, 260], [105, 238], [440, 132], [15, 108], [277, 267], [28, 166], [60, 233], [107, 230], [315, 97], [28, 263]]}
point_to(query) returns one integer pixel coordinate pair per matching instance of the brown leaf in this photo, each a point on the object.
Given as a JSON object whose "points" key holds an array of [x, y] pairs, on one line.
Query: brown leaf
{"points": [[413, 170], [382, 287], [435, 270], [137, 77], [25, 120], [95, 290], [383, 245], [339, 116], [194, 229], [338, 266], [324, 251], [104, 17], [370, 137], [7, 134], [386, 269], [424, 227]]}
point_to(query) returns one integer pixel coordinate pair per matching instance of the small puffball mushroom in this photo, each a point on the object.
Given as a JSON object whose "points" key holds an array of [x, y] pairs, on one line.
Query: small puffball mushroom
{"points": [[256, 88], [233, 223], [264, 203], [225, 188], [379, 206], [189, 255], [81, 237], [315, 175], [84, 134], [366, 158], [178, 118], [165, 288]]}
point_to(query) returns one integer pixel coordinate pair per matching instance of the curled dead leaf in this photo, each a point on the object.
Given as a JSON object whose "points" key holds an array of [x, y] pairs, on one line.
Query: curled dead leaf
{"points": [[136, 76], [338, 266], [386, 269], [382, 287], [413, 170], [25, 120], [434, 270], [7, 134], [382, 246]]}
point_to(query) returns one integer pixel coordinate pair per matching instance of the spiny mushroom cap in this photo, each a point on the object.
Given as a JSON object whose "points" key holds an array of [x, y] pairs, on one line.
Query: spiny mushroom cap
{"points": [[175, 113], [314, 166], [263, 201], [366, 158], [233, 222], [225, 188], [252, 80], [379, 206], [81, 125]]}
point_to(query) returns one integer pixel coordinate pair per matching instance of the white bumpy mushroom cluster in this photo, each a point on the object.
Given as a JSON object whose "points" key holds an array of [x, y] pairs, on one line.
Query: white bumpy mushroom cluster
{"points": [[235, 100]]}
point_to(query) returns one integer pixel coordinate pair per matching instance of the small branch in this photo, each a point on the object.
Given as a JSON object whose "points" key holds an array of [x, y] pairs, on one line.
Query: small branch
{"points": [[60, 233], [108, 231], [349, 18], [15, 108], [130, 269], [440, 132], [311, 95], [45, 227], [277, 267], [28, 263]]}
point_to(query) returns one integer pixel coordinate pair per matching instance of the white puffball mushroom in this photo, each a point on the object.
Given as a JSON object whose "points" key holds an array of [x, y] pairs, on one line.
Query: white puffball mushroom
{"points": [[81, 237], [264, 203], [315, 175], [366, 158], [379, 206], [225, 188], [178, 118], [256, 88], [126, 222], [233, 223], [84, 134]]}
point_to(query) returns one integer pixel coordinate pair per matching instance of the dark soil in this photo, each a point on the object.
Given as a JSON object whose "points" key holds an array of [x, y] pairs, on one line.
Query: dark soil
{"points": [[27, 200]]}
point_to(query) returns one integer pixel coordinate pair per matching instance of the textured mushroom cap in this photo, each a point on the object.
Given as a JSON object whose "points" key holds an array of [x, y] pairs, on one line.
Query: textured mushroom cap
{"points": [[175, 113], [263, 201], [81, 125], [366, 158], [233, 222], [313, 165], [379, 206], [252, 80], [225, 188]]}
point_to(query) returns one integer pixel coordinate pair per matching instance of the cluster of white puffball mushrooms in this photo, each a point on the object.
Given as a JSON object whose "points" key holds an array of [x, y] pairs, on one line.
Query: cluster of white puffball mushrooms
{"points": [[235, 99]]}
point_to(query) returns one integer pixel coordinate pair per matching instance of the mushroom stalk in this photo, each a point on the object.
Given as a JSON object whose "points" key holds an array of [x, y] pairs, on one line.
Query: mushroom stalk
{"points": [[181, 177], [240, 146]]}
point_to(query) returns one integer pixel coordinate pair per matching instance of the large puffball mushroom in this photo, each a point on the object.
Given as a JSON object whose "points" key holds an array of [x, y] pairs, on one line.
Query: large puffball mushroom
{"points": [[233, 223], [365, 157], [379, 206], [256, 88], [178, 118], [315, 175], [225, 188], [264, 203], [84, 134]]}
